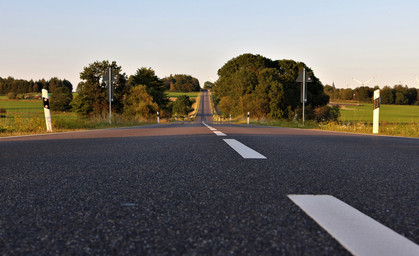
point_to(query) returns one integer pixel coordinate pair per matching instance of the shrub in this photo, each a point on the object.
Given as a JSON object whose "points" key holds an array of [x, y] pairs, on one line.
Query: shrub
{"points": [[182, 105], [61, 99], [139, 104], [326, 113], [12, 95]]}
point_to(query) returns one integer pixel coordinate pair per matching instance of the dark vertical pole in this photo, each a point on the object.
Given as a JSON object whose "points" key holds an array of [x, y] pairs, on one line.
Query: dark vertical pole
{"points": [[304, 93], [110, 94]]}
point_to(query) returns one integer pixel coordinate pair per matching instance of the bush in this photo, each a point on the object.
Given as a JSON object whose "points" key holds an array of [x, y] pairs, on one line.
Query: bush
{"points": [[308, 114], [139, 104], [12, 95], [182, 105], [326, 113], [61, 99]]}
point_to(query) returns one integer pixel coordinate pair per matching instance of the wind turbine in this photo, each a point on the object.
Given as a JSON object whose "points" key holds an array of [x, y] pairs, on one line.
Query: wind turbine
{"points": [[363, 83]]}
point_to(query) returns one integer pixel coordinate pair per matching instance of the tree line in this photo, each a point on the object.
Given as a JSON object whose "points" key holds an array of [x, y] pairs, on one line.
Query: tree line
{"points": [[181, 82], [61, 90], [268, 88], [139, 96], [399, 94], [19, 86]]}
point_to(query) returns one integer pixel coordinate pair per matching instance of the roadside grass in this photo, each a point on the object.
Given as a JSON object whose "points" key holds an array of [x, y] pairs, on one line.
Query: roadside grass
{"points": [[24, 117], [395, 120], [385, 128], [195, 106], [392, 129]]}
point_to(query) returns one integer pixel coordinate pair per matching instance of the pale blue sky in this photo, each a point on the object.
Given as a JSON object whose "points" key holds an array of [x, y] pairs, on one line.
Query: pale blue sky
{"points": [[339, 40]]}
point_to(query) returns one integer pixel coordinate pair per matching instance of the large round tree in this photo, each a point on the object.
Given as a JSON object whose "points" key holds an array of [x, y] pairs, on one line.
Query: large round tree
{"points": [[266, 88]]}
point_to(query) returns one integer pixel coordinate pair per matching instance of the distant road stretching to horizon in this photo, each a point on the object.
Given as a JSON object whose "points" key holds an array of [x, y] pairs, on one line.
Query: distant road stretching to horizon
{"points": [[207, 188]]}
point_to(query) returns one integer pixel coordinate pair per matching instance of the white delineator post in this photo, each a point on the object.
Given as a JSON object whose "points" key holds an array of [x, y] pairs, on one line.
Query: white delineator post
{"points": [[376, 117], [47, 111], [158, 117], [248, 117]]}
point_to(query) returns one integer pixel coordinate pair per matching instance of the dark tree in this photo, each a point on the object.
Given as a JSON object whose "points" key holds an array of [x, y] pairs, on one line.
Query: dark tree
{"points": [[61, 98], [93, 97], [182, 105], [153, 84], [208, 85], [184, 83]]}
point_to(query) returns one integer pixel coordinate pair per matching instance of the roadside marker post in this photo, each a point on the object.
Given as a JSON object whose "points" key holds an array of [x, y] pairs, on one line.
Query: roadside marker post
{"points": [[248, 117], [158, 117], [175, 117], [230, 117], [47, 110], [376, 111]]}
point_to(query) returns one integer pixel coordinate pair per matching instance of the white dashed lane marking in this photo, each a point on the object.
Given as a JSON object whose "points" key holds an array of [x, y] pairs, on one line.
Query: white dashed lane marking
{"points": [[244, 150], [240, 148], [357, 232]]}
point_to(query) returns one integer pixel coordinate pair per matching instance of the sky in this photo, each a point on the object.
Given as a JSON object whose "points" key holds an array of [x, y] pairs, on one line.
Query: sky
{"points": [[340, 40]]}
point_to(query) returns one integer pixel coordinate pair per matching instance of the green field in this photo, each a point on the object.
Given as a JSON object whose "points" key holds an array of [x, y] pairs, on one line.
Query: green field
{"points": [[177, 94], [21, 106], [388, 113]]}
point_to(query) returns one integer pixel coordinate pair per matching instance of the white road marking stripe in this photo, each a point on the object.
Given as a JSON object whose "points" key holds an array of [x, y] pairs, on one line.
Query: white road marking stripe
{"points": [[243, 150], [357, 232], [219, 133], [209, 127]]}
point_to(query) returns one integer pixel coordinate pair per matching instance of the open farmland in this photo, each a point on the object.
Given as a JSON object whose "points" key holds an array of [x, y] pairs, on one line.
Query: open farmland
{"points": [[388, 113], [177, 94]]}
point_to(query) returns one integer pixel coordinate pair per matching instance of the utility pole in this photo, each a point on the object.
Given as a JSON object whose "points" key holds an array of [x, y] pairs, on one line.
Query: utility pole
{"points": [[108, 78], [304, 78], [110, 95], [304, 93]]}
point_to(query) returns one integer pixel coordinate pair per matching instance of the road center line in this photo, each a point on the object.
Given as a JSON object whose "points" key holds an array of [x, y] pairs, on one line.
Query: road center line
{"points": [[357, 232], [218, 133], [244, 150]]}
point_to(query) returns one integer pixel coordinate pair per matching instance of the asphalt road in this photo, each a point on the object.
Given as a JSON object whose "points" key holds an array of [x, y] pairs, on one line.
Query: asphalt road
{"points": [[180, 189]]}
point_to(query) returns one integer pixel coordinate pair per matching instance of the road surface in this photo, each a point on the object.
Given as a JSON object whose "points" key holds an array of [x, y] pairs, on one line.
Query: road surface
{"points": [[202, 189]]}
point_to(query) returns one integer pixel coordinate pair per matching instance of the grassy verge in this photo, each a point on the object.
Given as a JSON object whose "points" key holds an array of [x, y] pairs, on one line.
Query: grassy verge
{"points": [[24, 117], [196, 109], [392, 129], [61, 122], [385, 128]]}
